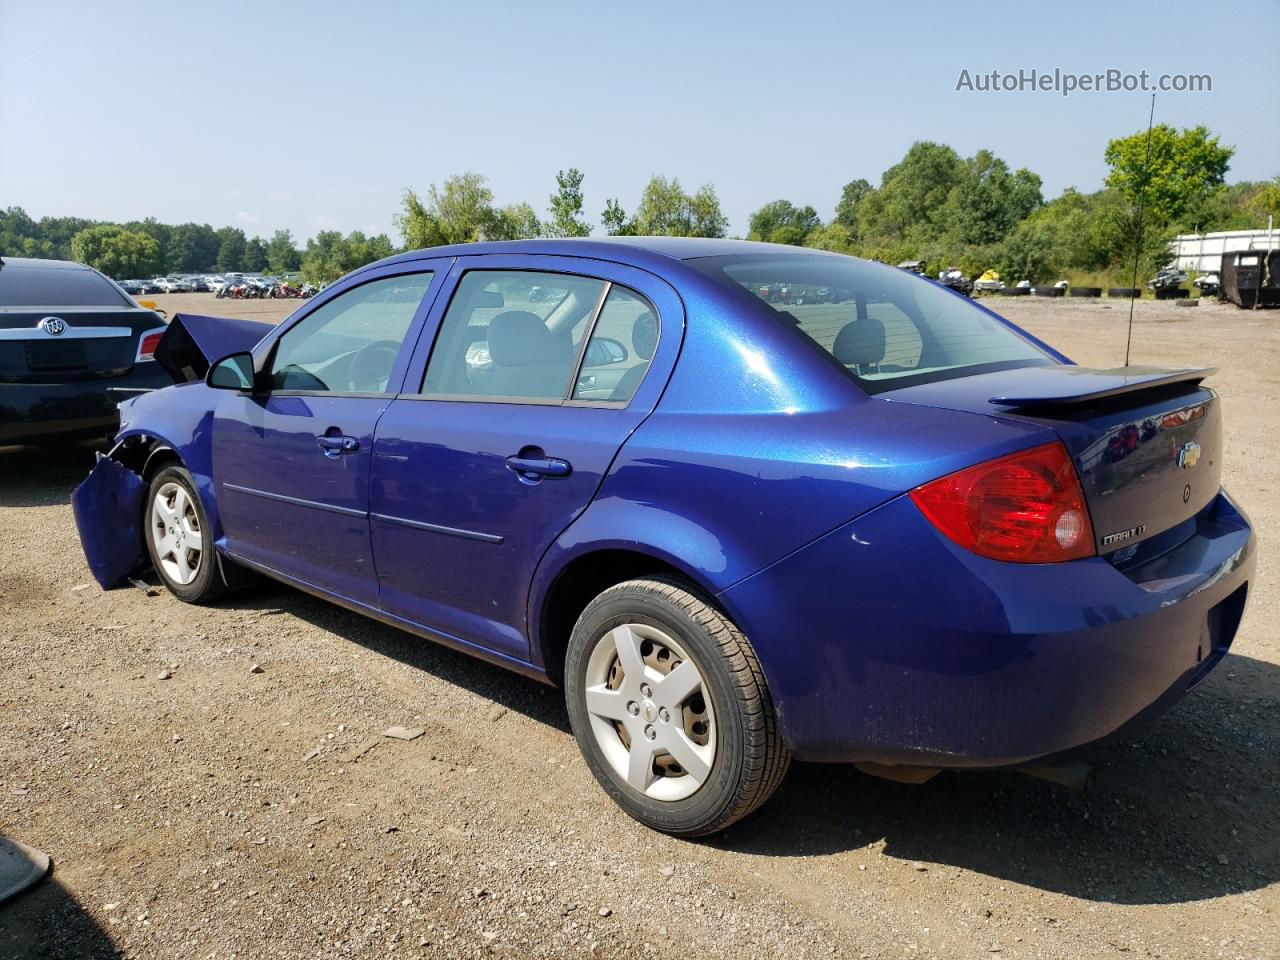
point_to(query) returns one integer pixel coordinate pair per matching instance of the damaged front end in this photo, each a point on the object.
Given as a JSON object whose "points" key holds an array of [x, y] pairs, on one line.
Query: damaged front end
{"points": [[108, 512], [108, 504]]}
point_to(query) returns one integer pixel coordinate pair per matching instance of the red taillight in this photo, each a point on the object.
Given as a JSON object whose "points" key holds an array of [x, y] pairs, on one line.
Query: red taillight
{"points": [[1027, 507], [147, 345]]}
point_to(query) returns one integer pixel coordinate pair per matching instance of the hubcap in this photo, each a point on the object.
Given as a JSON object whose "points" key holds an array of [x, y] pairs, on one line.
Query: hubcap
{"points": [[650, 712], [175, 532]]}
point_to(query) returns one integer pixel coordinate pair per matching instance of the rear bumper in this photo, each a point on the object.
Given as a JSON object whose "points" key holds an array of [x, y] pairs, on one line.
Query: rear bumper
{"points": [[885, 642], [32, 411]]}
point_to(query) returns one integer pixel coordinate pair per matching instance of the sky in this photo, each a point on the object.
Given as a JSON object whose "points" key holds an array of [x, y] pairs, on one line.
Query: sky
{"points": [[281, 115]]}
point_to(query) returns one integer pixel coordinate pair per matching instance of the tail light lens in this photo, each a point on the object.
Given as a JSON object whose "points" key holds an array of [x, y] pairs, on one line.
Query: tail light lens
{"points": [[1027, 507], [148, 343]]}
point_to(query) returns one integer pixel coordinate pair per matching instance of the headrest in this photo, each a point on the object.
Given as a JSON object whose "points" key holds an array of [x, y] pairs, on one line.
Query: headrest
{"points": [[518, 338], [860, 343], [644, 335]]}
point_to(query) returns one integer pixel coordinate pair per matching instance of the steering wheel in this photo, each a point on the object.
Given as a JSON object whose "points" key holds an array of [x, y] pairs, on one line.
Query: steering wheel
{"points": [[370, 366]]}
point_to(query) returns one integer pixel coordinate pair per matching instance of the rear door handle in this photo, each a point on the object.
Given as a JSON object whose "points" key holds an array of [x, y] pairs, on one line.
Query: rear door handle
{"points": [[335, 447], [531, 469]]}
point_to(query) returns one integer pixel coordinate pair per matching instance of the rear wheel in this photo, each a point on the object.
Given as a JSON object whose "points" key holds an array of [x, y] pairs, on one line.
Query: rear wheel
{"points": [[670, 708], [178, 538]]}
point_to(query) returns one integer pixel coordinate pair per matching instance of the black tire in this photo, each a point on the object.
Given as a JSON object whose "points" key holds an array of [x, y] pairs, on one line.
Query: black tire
{"points": [[1125, 293], [1016, 291], [1188, 302], [750, 758], [1086, 291], [207, 584]]}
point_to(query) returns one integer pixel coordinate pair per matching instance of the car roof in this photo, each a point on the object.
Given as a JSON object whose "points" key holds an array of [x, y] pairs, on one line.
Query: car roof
{"points": [[636, 251]]}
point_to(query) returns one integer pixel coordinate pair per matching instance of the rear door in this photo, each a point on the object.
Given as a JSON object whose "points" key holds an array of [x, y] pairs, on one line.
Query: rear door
{"points": [[292, 464], [502, 439]]}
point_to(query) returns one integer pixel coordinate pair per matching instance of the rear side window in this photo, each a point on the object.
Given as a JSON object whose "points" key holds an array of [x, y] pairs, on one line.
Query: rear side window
{"points": [[350, 343], [36, 286], [621, 346], [885, 327]]}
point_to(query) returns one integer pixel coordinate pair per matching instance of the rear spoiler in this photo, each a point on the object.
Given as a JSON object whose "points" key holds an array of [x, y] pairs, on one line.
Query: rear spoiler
{"points": [[1077, 386], [192, 343]]}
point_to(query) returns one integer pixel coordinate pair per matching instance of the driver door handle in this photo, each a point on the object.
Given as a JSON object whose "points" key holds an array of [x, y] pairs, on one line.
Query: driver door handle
{"points": [[335, 447]]}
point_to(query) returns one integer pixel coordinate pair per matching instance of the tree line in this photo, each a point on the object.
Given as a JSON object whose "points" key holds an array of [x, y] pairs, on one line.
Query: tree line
{"points": [[933, 205]]}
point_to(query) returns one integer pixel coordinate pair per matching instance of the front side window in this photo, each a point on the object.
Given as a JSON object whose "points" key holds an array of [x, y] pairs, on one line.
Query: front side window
{"points": [[350, 344], [512, 333], [886, 327]]}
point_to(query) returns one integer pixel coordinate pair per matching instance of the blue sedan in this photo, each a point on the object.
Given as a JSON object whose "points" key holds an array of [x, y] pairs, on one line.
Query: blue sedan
{"points": [[742, 502]]}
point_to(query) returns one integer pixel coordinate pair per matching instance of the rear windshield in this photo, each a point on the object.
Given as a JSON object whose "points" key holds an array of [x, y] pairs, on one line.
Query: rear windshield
{"points": [[28, 286], [885, 327]]}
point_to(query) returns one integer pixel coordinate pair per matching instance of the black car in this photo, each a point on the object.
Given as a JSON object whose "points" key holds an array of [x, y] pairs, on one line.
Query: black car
{"points": [[72, 346]]}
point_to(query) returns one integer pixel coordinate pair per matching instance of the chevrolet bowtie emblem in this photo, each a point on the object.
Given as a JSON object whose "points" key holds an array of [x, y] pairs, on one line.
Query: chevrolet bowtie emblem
{"points": [[1188, 455]]}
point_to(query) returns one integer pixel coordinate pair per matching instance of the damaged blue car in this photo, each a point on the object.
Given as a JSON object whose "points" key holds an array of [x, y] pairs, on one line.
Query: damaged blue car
{"points": [[742, 502]]}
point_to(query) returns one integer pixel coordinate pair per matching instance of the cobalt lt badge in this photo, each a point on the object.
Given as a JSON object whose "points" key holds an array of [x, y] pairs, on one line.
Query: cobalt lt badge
{"points": [[53, 326], [1188, 455]]}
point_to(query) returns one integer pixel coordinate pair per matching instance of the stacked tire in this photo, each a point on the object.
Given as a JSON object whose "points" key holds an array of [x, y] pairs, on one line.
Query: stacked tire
{"points": [[1015, 291], [1086, 291], [1124, 293]]}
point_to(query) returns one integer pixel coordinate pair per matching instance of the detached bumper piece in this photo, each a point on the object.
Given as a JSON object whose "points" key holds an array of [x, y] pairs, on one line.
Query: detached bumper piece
{"points": [[108, 508]]}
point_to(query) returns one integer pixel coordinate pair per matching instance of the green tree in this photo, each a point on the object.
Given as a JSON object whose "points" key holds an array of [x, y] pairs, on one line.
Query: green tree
{"points": [[192, 247], [329, 255], [1025, 255], [231, 244], [833, 236], [255, 255], [615, 220], [116, 251], [1183, 170], [781, 222], [706, 219], [847, 208], [516, 221], [987, 200], [909, 203], [282, 253], [461, 212], [665, 210], [566, 206]]}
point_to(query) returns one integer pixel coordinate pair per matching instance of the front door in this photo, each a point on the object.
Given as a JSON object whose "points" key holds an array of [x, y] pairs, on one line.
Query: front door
{"points": [[292, 463], [536, 378]]}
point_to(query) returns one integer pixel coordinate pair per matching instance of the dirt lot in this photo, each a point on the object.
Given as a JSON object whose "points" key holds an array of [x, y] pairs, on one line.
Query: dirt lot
{"points": [[227, 813]]}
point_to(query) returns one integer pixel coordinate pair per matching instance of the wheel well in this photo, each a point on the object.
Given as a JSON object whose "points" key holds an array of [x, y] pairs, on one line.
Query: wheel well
{"points": [[158, 458], [585, 578]]}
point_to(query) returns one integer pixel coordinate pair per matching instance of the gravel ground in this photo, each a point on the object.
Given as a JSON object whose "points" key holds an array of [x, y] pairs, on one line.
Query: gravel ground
{"points": [[198, 808]]}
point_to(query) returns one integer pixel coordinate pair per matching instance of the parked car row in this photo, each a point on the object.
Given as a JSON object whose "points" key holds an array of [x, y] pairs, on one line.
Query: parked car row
{"points": [[220, 284]]}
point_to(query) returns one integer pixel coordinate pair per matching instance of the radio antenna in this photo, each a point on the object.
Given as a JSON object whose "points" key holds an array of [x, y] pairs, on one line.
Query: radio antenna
{"points": [[1137, 247]]}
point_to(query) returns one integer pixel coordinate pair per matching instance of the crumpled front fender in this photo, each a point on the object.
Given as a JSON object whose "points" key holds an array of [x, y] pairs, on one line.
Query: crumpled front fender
{"points": [[108, 512]]}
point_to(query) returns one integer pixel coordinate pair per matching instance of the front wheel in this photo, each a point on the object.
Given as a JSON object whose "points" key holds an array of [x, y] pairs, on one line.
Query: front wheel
{"points": [[178, 537], [670, 708]]}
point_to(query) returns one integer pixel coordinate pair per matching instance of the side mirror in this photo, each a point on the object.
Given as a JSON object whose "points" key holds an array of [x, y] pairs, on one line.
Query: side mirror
{"points": [[234, 372], [602, 351]]}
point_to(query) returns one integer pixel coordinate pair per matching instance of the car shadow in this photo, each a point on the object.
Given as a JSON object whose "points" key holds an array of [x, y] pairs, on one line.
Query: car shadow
{"points": [[1166, 807], [47, 923], [43, 476], [538, 701]]}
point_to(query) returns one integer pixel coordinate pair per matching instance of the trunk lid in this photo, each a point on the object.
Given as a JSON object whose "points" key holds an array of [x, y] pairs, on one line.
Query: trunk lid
{"points": [[71, 344], [1146, 441]]}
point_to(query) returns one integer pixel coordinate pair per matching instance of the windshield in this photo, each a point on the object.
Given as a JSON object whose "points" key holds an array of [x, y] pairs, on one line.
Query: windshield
{"points": [[885, 327], [35, 286]]}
